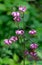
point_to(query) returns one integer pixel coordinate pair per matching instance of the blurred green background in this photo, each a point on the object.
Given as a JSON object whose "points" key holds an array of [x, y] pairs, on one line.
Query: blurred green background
{"points": [[11, 55]]}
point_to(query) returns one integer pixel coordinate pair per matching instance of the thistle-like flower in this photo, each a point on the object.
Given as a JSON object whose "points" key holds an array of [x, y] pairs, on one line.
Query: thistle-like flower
{"points": [[14, 38], [15, 14], [22, 8], [7, 41], [33, 46], [32, 32], [19, 32]]}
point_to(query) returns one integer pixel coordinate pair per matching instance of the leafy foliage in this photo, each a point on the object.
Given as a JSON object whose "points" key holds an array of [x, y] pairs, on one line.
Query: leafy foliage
{"points": [[12, 54]]}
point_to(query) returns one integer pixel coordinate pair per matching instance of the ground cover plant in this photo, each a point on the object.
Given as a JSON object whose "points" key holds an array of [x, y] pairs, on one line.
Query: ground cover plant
{"points": [[20, 32]]}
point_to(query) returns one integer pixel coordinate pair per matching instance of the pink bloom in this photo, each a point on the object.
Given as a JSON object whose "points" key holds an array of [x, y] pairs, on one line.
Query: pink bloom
{"points": [[10, 41], [15, 18], [14, 38], [32, 32], [7, 41], [20, 32], [22, 8], [15, 14], [33, 53], [33, 46], [18, 14], [18, 19]]}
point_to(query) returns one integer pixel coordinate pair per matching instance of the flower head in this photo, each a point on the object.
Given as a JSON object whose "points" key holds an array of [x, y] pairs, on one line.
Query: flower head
{"points": [[15, 14], [10, 41], [33, 46], [18, 19], [19, 32], [33, 53], [32, 32], [22, 8], [14, 38], [7, 41]]}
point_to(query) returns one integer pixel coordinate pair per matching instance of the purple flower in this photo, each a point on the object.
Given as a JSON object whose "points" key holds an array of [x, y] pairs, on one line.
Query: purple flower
{"points": [[15, 18], [19, 32], [33, 53], [10, 41], [7, 41], [15, 14], [32, 32], [14, 38], [33, 46], [22, 8], [18, 19]]}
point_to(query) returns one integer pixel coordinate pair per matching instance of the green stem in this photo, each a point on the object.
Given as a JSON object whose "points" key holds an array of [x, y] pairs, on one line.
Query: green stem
{"points": [[23, 46]]}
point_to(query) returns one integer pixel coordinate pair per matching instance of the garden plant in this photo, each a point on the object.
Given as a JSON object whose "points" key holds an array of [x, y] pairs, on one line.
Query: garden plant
{"points": [[20, 32]]}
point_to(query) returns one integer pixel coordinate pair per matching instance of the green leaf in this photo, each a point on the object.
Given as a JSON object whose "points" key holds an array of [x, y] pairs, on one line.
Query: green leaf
{"points": [[21, 3], [2, 7], [39, 53], [1, 61], [4, 18], [15, 57], [7, 3], [8, 61], [26, 17], [27, 62], [22, 63], [39, 33], [21, 24], [39, 63]]}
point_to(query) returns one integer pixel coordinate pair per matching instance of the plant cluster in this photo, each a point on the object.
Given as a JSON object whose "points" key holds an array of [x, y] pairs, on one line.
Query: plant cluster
{"points": [[20, 32]]}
